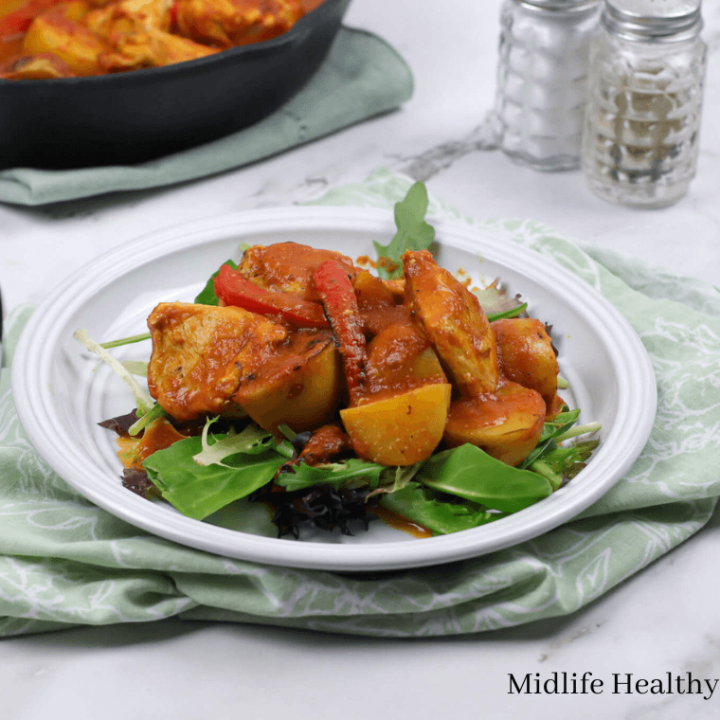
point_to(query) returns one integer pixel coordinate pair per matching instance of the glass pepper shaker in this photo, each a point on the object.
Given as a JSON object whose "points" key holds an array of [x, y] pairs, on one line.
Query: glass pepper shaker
{"points": [[542, 80], [640, 141]]}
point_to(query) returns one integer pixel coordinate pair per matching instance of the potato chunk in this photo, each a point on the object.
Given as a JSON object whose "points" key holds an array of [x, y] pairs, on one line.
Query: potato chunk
{"points": [[202, 353], [298, 385], [54, 32], [527, 356], [505, 424], [399, 430]]}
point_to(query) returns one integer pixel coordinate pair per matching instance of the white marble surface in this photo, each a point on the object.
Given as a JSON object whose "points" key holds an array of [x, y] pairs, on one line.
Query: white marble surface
{"points": [[663, 620]]}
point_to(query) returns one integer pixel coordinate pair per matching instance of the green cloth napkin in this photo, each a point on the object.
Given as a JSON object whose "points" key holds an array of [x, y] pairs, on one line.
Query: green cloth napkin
{"points": [[64, 562], [362, 77]]}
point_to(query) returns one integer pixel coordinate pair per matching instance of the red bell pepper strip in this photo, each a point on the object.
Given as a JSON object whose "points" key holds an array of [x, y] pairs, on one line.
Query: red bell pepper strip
{"points": [[338, 296], [173, 14], [20, 20], [234, 289]]}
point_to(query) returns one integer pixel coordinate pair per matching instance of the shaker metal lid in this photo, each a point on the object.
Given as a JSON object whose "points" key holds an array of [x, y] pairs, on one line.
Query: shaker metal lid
{"points": [[653, 19], [560, 4]]}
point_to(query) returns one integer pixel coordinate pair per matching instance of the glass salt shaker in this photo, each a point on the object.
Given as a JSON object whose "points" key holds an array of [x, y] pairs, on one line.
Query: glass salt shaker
{"points": [[542, 80], [640, 141]]}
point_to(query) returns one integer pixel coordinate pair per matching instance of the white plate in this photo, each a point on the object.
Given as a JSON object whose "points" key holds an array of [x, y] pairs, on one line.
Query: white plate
{"points": [[61, 394]]}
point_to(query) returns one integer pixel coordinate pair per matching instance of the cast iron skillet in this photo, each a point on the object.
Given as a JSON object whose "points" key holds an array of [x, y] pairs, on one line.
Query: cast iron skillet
{"points": [[136, 116]]}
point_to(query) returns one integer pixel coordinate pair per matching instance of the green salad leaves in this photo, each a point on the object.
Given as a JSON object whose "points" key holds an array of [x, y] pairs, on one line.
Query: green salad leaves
{"points": [[413, 233]]}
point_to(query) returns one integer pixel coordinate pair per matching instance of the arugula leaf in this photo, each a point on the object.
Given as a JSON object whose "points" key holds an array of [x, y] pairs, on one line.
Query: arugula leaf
{"points": [[513, 312], [419, 504], [470, 473], [564, 462], [200, 490], [361, 472], [413, 233], [125, 341], [551, 430], [495, 302], [207, 295]]}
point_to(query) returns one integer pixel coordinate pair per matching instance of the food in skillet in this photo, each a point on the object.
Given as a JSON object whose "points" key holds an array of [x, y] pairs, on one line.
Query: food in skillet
{"points": [[41, 39], [301, 380]]}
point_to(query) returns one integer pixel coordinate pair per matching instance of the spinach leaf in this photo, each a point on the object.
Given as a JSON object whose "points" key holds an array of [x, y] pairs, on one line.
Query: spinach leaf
{"points": [[199, 490], [471, 473], [207, 295], [413, 233], [419, 504]]}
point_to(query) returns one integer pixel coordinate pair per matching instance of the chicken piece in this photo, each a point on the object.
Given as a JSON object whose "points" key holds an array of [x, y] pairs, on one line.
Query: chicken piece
{"points": [[57, 33], [451, 317], [288, 267], [149, 47], [138, 32], [228, 23], [42, 66], [505, 424], [129, 16], [202, 353], [298, 384], [527, 357]]}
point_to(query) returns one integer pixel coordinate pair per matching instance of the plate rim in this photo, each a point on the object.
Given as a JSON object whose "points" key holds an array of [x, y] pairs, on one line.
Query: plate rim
{"points": [[34, 401]]}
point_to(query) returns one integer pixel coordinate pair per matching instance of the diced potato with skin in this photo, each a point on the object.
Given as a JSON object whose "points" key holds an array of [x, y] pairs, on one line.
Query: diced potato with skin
{"points": [[53, 32], [298, 385], [371, 291], [202, 353], [527, 357], [505, 424], [399, 430]]}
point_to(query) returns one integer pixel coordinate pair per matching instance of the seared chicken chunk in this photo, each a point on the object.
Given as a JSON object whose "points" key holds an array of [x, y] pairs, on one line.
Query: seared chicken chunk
{"points": [[138, 31], [451, 317], [201, 354], [288, 267], [226, 23]]}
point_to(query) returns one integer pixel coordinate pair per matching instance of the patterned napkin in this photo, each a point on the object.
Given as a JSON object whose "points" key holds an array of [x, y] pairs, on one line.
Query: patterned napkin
{"points": [[64, 562], [361, 77]]}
